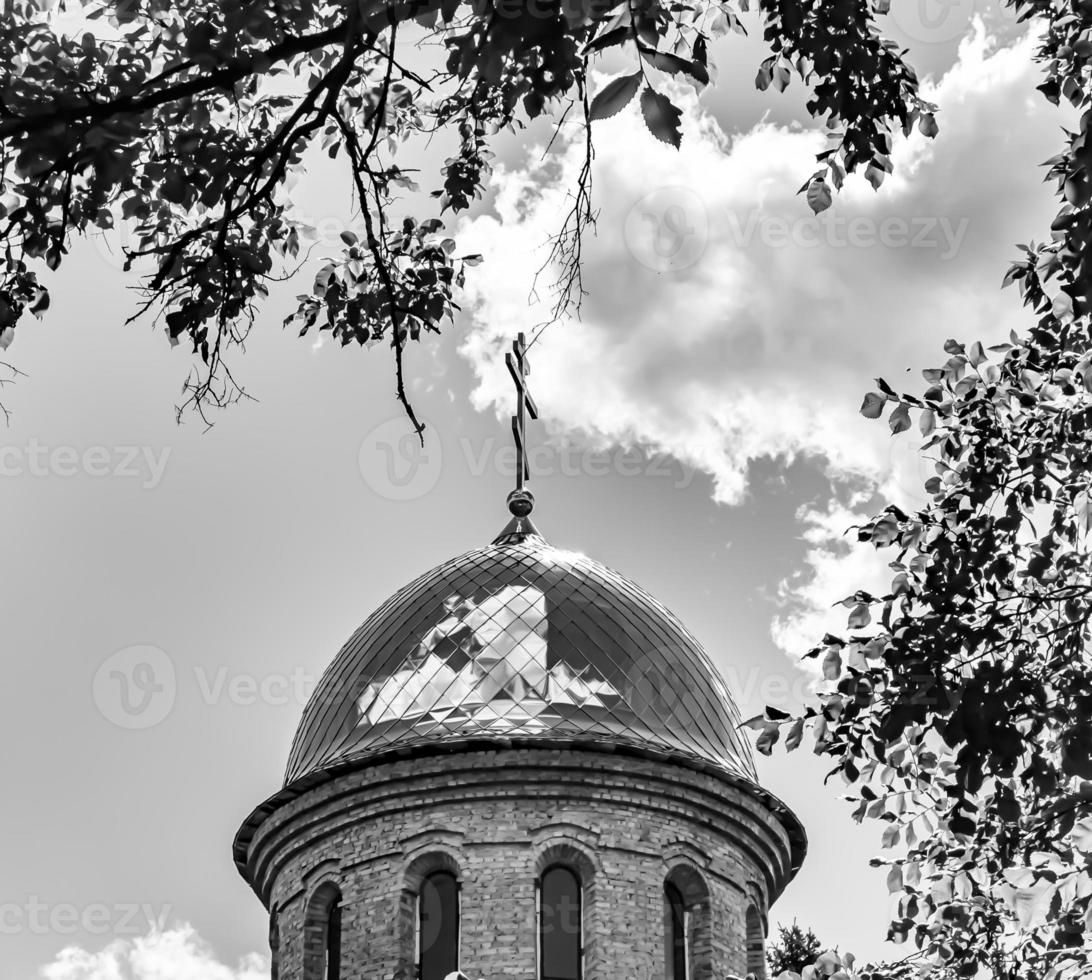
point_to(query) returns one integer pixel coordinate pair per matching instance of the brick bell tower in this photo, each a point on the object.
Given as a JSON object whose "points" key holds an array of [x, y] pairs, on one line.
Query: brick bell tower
{"points": [[520, 766]]}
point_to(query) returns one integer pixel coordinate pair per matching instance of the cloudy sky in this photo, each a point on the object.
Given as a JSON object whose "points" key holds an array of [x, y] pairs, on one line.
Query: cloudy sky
{"points": [[700, 435]]}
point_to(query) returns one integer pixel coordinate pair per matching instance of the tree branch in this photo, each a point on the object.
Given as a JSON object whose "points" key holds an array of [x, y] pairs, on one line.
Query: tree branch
{"points": [[376, 18], [225, 77]]}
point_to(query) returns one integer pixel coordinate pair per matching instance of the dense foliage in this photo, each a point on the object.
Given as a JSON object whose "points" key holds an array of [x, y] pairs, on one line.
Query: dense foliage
{"points": [[794, 949], [959, 702], [191, 120]]}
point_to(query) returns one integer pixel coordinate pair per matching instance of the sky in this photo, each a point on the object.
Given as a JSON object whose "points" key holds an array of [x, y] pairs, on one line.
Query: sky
{"points": [[700, 433]]}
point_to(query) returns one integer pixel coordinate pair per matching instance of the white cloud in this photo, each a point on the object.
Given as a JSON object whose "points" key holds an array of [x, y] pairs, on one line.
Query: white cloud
{"points": [[834, 570], [749, 328], [171, 954]]}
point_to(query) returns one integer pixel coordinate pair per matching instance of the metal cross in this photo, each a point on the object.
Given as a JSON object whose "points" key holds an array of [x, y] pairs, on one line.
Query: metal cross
{"points": [[519, 367]]}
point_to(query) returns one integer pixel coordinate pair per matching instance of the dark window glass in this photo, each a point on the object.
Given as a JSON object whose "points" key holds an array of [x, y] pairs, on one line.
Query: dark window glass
{"points": [[438, 927], [274, 945], [756, 944], [674, 934], [333, 942], [560, 925]]}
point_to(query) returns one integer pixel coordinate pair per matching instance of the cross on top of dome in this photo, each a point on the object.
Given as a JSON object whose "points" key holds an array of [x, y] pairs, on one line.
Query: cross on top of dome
{"points": [[520, 644], [521, 501]]}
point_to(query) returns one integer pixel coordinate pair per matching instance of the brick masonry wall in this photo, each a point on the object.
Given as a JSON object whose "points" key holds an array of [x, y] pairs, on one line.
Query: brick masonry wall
{"points": [[497, 818]]}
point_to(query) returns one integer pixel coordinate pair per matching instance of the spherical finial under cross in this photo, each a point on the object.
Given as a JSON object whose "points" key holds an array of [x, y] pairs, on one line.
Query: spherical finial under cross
{"points": [[521, 502]]}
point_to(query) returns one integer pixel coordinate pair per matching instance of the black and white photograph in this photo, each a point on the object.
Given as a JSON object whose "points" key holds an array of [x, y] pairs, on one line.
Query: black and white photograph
{"points": [[546, 489]]}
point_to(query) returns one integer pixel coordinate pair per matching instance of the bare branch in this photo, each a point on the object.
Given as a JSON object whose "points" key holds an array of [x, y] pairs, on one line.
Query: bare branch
{"points": [[567, 246]]}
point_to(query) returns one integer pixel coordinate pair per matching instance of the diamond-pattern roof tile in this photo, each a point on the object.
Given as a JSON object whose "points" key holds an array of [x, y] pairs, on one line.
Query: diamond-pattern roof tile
{"points": [[520, 640]]}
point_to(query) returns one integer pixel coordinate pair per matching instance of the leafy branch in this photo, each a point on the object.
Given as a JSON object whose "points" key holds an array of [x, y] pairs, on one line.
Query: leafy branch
{"points": [[190, 123]]}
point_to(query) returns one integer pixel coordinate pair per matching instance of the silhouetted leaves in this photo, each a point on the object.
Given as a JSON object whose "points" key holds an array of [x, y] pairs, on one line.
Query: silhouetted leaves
{"points": [[181, 124], [663, 118], [959, 709], [615, 96]]}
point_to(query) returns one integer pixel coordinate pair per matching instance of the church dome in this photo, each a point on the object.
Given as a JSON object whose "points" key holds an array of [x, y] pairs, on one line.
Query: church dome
{"points": [[520, 642]]}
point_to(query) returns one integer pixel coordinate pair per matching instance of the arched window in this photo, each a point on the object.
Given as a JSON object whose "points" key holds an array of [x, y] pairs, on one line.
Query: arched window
{"points": [[688, 937], [322, 934], [756, 943], [676, 935], [274, 944], [560, 924], [333, 942], [438, 926]]}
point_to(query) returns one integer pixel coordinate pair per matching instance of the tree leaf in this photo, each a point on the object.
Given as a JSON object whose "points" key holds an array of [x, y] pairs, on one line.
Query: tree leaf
{"points": [[673, 64], [764, 75], [662, 117], [872, 407], [615, 96], [899, 420], [818, 195], [768, 739], [860, 617], [609, 39], [796, 733]]}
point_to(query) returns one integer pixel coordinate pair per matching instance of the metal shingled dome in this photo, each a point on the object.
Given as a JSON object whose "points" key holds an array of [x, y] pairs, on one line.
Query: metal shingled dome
{"points": [[514, 642]]}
